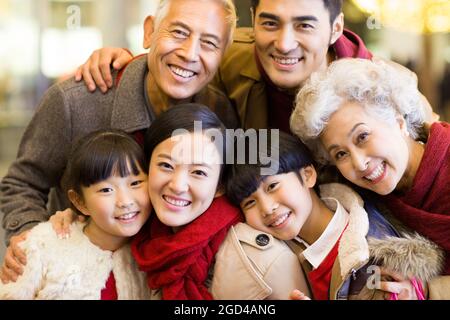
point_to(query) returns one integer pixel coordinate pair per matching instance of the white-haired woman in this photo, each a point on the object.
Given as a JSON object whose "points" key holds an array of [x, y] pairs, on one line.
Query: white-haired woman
{"points": [[366, 118]]}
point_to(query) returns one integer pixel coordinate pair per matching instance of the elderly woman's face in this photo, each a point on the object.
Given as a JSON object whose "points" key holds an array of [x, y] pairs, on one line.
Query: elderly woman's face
{"points": [[368, 151]]}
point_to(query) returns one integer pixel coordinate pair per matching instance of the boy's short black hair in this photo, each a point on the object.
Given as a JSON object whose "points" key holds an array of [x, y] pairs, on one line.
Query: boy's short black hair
{"points": [[244, 179], [333, 6]]}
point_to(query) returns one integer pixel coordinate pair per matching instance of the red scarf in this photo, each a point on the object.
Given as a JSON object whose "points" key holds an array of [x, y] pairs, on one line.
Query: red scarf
{"points": [[179, 262], [426, 207]]}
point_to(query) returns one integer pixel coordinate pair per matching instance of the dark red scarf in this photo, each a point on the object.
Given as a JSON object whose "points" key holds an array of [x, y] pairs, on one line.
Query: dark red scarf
{"points": [[426, 207], [179, 263]]}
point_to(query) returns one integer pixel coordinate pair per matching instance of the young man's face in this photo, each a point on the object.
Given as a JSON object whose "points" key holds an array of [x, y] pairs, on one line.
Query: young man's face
{"points": [[292, 39], [280, 206], [187, 46]]}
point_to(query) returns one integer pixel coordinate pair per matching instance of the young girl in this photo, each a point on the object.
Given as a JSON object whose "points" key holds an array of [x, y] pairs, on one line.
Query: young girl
{"points": [[339, 242], [106, 182]]}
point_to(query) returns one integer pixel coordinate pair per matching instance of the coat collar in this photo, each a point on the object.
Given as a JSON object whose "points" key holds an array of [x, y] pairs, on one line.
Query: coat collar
{"points": [[353, 246], [249, 68], [131, 110]]}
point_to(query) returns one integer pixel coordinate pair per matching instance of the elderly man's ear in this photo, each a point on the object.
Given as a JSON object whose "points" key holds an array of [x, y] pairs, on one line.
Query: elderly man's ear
{"points": [[149, 28]]}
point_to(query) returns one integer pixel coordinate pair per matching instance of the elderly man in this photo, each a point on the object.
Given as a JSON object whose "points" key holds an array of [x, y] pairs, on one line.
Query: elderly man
{"points": [[186, 41], [266, 65]]}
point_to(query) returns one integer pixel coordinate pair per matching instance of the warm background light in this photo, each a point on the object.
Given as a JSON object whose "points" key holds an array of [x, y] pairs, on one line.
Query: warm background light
{"points": [[423, 16]]}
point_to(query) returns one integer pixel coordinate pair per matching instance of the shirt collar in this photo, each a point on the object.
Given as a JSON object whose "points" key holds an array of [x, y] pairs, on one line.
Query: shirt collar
{"points": [[316, 253]]}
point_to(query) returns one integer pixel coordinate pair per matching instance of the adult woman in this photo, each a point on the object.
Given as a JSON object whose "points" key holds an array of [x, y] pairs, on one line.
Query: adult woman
{"points": [[365, 118]]}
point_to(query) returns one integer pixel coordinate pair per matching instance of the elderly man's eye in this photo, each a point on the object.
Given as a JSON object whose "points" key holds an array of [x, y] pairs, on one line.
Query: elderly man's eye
{"points": [[180, 33]]}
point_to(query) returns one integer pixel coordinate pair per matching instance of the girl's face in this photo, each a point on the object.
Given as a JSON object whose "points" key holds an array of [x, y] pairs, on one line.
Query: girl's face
{"points": [[184, 175], [368, 151], [118, 207], [281, 205]]}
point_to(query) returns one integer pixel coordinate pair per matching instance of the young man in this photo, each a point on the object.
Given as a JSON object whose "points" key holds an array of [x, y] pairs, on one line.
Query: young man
{"points": [[186, 42]]}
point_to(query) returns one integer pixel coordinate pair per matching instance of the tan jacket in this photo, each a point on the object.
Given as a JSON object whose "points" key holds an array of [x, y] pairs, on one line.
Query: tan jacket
{"points": [[238, 77], [252, 265]]}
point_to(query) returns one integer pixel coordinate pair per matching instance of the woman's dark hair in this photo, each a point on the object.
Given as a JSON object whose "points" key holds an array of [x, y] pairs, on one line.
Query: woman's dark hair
{"points": [[288, 152], [334, 7], [181, 118], [99, 155]]}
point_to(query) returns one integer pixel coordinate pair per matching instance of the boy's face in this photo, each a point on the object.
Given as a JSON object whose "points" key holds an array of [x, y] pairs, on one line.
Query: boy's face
{"points": [[281, 205], [292, 38]]}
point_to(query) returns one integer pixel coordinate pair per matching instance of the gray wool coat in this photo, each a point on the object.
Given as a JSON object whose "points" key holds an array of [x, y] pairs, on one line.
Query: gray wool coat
{"points": [[31, 191]]}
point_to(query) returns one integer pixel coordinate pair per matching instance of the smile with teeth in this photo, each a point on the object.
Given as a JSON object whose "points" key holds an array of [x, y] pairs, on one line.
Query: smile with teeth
{"points": [[282, 218], [128, 216], [175, 202], [182, 72], [286, 61], [378, 172]]}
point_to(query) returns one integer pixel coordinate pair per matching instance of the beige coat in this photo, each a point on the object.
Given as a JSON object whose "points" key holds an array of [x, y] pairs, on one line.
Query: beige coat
{"points": [[250, 269]]}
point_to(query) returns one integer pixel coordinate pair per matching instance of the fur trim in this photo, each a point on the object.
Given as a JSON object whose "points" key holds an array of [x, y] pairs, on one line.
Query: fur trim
{"points": [[353, 247], [410, 256]]}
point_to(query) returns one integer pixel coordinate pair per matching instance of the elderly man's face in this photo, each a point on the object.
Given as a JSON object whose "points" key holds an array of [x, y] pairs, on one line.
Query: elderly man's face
{"points": [[187, 46], [292, 39]]}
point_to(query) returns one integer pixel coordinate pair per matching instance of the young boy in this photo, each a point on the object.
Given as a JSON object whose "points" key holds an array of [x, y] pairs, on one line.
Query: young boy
{"points": [[328, 231]]}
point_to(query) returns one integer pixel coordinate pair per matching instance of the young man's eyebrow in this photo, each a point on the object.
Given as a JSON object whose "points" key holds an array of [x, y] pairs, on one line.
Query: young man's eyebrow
{"points": [[266, 15], [185, 26]]}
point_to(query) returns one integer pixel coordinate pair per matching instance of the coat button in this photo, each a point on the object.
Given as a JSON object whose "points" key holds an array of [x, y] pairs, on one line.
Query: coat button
{"points": [[262, 240], [14, 224]]}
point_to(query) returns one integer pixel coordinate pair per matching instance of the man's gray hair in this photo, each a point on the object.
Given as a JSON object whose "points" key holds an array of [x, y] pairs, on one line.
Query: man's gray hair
{"points": [[383, 90], [230, 17]]}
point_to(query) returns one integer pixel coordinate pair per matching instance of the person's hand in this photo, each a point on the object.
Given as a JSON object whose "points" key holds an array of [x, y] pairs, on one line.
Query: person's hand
{"points": [[298, 295], [14, 260], [96, 70], [62, 220], [400, 285]]}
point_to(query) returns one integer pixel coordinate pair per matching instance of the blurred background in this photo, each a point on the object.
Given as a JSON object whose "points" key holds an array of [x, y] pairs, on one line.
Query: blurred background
{"points": [[42, 41]]}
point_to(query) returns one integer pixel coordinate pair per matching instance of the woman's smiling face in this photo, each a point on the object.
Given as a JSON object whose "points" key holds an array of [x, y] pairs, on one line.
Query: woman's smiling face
{"points": [[184, 175], [368, 151]]}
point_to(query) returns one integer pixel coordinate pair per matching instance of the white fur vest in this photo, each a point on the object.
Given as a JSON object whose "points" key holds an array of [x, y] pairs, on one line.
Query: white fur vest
{"points": [[73, 269]]}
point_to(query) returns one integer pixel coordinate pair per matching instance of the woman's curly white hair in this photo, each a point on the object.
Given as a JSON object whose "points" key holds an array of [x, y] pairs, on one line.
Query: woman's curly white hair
{"points": [[382, 89]]}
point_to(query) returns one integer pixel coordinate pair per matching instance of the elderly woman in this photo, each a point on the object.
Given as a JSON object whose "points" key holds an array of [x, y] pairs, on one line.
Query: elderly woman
{"points": [[366, 119]]}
